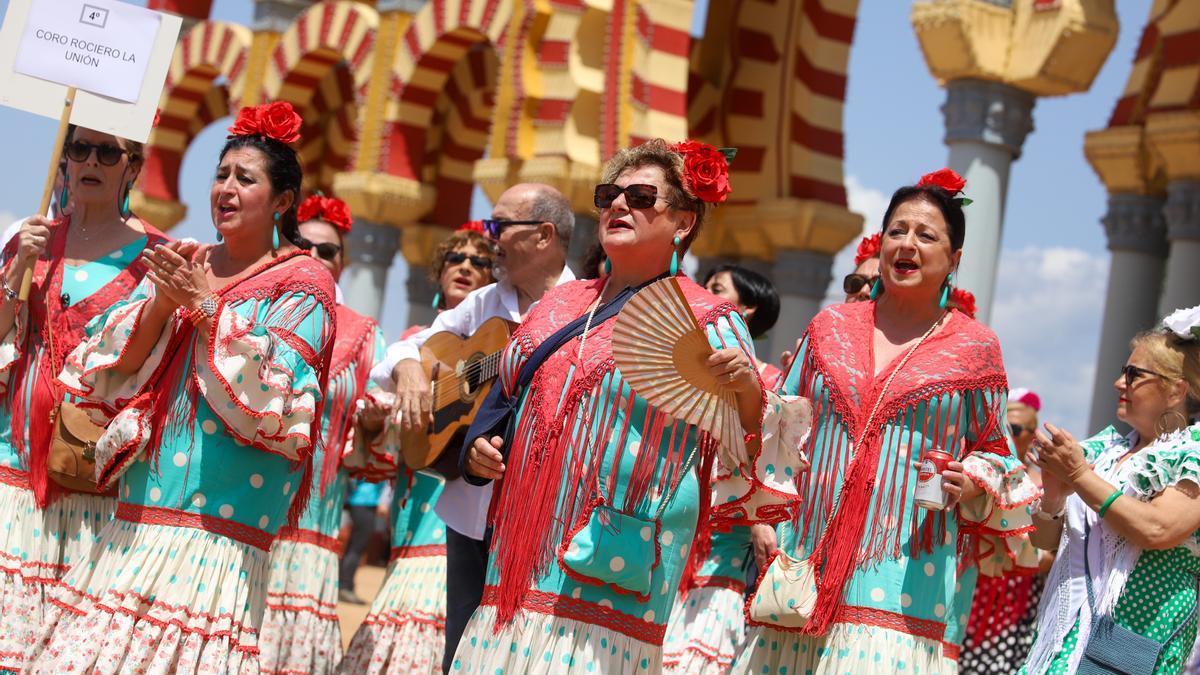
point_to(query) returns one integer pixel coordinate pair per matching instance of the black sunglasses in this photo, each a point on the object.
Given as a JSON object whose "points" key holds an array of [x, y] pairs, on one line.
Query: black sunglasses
{"points": [[637, 195], [106, 153], [853, 283], [1132, 373], [1017, 429], [327, 251], [492, 227], [479, 262]]}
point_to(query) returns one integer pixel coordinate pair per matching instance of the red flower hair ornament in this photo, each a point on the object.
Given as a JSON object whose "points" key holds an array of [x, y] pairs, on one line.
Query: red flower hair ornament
{"points": [[277, 121], [471, 226], [329, 209], [868, 248], [948, 180], [706, 170]]}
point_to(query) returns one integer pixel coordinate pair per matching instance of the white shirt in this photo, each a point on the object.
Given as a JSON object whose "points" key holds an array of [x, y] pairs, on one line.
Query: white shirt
{"points": [[463, 507]]}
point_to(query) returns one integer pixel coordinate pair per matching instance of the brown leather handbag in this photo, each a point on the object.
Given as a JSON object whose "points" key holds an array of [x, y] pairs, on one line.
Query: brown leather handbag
{"points": [[71, 462]]}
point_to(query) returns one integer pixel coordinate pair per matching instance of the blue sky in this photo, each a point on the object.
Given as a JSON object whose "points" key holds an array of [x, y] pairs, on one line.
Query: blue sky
{"points": [[1054, 265]]}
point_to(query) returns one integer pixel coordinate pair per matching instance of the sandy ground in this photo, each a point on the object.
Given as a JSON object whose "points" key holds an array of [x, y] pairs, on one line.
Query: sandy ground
{"points": [[366, 584]]}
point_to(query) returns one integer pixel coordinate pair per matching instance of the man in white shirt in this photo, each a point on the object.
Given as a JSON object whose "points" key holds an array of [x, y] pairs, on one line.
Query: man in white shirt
{"points": [[531, 228]]}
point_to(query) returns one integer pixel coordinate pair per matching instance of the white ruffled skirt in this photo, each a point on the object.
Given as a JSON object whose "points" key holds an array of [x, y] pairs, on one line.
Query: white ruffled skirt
{"points": [[156, 599], [848, 648], [300, 631], [36, 548], [706, 631], [405, 632]]}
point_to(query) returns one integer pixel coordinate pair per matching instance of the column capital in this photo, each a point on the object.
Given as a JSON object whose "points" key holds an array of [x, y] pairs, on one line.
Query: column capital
{"points": [[1174, 138], [988, 112], [384, 198], [805, 273], [1182, 210], [371, 243], [408, 6], [276, 15], [1118, 155], [1135, 223]]}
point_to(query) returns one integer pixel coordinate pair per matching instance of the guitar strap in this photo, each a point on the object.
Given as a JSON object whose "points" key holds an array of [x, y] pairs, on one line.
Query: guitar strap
{"points": [[498, 411]]}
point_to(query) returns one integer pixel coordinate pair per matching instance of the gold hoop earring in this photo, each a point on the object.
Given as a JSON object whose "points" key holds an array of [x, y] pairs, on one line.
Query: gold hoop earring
{"points": [[1162, 428]]}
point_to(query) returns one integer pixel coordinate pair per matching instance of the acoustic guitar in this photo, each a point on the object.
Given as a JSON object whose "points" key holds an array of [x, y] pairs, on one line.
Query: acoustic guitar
{"points": [[462, 371]]}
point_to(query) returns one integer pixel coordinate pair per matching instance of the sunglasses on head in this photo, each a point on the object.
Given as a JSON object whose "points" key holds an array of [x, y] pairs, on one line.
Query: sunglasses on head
{"points": [[637, 195], [327, 251], [106, 153], [853, 283], [1132, 373], [479, 262], [493, 227]]}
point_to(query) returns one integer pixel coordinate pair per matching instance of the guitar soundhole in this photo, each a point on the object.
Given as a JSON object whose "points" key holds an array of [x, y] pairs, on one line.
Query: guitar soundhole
{"points": [[471, 374]]}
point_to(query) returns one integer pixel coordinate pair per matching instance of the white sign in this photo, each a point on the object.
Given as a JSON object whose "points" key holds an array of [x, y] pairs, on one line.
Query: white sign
{"points": [[127, 112], [99, 46]]}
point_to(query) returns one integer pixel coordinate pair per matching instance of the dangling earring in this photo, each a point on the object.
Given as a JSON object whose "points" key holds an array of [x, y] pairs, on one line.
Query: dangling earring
{"points": [[63, 198], [219, 237], [125, 203], [437, 300], [607, 266], [876, 289], [675, 256], [275, 233], [945, 299]]}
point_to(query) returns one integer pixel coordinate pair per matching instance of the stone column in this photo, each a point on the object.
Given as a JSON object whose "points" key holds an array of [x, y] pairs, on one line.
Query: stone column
{"points": [[1182, 213], [801, 277], [371, 247], [420, 296], [582, 238], [986, 124], [1137, 238]]}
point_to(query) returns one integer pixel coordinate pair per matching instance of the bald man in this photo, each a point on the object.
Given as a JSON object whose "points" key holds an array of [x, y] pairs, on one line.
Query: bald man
{"points": [[531, 233]]}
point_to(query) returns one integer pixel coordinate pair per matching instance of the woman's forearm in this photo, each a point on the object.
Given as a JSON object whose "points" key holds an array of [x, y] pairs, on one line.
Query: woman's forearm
{"points": [[13, 276], [750, 410], [1046, 534], [154, 318], [1148, 525]]}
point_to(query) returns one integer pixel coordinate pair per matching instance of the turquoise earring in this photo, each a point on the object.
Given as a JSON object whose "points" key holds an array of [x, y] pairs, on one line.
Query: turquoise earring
{"points": [[437, 300], [675, 256], [125, 204], [275, 233], [876, 289], [945, 299], [62, 199], [607, 266], [219, 237]]}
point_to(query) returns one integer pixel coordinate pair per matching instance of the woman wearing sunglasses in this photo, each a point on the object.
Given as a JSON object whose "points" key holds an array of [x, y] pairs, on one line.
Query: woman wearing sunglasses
{"points": [[82, 264], [1123, 512], [216, 369], [601, 496], [857, 285], [300, 632], [405, 629]]}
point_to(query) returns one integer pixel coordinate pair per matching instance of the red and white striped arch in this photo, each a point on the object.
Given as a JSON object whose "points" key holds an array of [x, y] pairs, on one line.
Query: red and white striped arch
{"points": [[441, 36], [204, 83], [321, 65]]}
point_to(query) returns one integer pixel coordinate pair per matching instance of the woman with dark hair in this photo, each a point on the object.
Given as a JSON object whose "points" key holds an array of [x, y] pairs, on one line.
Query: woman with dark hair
{"points": [[914, 487], [405, 629], [756, 298], [587, 455], [300, 632], [215, 370], [82, 263]]}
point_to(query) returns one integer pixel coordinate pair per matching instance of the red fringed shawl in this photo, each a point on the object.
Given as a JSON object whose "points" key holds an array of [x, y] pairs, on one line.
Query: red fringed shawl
{"points": [[353, 354], [949, 396], [556, 461], [48, 320]]}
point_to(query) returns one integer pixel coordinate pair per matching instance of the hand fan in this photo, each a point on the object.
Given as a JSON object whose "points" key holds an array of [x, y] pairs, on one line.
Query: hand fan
{"points": [[661, 352]]}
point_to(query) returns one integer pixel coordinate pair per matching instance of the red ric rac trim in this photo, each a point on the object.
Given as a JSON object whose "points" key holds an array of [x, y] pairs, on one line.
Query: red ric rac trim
{"points": [[426, 551], [312, 538], [909, 625], [153, 515], [15, 477], [551, 604]]}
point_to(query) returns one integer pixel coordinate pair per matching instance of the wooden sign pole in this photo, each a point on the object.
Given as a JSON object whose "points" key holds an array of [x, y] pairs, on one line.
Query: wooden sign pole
{"points": [[64, 122]]}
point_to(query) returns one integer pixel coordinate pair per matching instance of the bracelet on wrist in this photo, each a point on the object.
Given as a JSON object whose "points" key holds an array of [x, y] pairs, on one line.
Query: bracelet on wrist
{"points": [[207, 309], [1109, 502], [9, 293], [1042, 514]]}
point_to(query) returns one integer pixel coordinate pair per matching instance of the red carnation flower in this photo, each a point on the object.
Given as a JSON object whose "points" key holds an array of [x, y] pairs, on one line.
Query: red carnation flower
{"points": [[276, 120], [963, 301], [868, 248], [472, 226], [947, 179], [331, 210], [705, 171]]}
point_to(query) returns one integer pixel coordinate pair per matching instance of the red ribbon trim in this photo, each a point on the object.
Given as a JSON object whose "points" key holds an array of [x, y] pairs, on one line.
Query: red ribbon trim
{"points": [[153, 515]]}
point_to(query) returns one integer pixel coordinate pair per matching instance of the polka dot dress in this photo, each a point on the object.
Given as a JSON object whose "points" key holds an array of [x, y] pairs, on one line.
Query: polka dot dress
{"points": [[1001, 649]]}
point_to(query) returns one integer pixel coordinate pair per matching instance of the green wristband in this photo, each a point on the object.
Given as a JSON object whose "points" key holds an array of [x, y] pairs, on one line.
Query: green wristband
{"points": [[1108, 502]]}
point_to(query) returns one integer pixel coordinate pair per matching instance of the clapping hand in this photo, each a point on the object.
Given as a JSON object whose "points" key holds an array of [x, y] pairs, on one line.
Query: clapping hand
{"points": [[178, 279], [1059, 455]]}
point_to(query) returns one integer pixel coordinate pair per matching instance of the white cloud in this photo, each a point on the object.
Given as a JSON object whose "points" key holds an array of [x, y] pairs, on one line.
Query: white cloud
{"points": [[1047, 313]]}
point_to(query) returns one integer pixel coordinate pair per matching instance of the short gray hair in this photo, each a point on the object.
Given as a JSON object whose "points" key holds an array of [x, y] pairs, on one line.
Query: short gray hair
{"points": [[550, 206]]}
